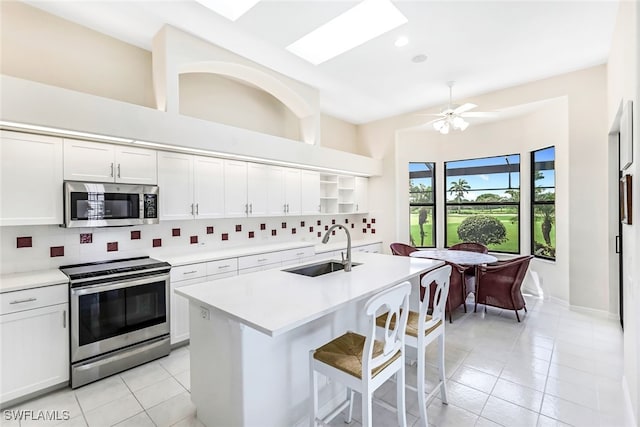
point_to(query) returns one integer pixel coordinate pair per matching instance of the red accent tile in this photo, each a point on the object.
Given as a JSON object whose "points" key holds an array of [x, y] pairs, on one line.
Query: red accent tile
{"points": [[157, 243], [284, 225], [112, 246], [318, 222], [319, 234], [24, 242], [274, 232], [86, 238], [364, 230], [333, 221], [263, 226], [373, 220], [333, 233], [293, 231], [209, 230], [353, 226], [175, 232], [238, 227], [252, 234], [368, 225], [346, 220], [373, 231], [135, 235], [364, 220], [55, 251], [225, 236], [193, 239], [326, 227], [310, 229], [301, 223]]}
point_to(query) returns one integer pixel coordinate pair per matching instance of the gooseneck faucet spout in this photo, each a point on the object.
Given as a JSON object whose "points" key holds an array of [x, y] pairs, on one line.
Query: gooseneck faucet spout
{"points": [[325, 239]]}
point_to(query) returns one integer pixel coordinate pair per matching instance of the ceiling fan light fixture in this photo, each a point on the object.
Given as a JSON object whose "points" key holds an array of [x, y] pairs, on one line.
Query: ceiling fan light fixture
{"points": [[445, 128], [438, 125], [458, 123]]}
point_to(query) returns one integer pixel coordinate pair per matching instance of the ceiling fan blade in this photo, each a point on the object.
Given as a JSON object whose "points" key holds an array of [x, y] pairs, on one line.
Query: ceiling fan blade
{"points": [[464, 107], [480, 114], [429, 114]]}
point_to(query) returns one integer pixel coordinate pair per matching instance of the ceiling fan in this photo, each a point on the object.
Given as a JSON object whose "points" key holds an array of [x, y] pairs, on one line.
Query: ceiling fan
{"points": [[453, 116]]}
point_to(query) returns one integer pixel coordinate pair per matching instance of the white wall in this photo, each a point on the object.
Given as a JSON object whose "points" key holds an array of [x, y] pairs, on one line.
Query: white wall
{"points": [[623, 83]]}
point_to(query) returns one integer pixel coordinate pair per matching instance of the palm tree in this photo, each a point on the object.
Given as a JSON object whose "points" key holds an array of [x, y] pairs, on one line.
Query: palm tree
{"points": [[459, 189]]}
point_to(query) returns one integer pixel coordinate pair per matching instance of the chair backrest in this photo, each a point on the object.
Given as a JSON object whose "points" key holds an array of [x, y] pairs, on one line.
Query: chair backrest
{"points": [[436, 295], [395, 302], [471, 247], [401, 249], [501, 282]]}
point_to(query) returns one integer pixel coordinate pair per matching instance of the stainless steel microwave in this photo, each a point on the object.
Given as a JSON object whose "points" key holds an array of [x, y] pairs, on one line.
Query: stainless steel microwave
{"points": [[97, 204]]}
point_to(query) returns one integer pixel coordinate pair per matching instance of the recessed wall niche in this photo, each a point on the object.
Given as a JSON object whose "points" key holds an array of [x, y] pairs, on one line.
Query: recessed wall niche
{"points": [[231, 102]]}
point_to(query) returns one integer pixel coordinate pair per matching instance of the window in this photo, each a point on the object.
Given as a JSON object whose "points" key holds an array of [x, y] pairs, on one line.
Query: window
{"points": [[543, 203], [483, 202], [422, 220]]}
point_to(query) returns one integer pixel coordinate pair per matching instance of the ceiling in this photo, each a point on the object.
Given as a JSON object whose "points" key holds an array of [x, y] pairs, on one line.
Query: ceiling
{"points": [[482, 45]]}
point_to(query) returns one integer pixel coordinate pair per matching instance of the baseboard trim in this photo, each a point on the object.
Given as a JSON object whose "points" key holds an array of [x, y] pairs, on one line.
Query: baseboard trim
{"points": [[627, 401], [557, 300], [603, 314]]}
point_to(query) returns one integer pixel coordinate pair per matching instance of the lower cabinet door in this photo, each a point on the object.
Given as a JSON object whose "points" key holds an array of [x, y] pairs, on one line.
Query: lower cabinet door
{"points": [[34, 350]]}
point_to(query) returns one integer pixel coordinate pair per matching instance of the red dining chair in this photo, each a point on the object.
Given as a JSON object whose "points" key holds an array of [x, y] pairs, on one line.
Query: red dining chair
{"points": [[401, 249], [471, 247]]}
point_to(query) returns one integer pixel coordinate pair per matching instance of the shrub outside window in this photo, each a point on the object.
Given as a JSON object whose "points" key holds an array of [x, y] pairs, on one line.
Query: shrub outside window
{"points": [[422, 220], [483, 202], [543, 207]]}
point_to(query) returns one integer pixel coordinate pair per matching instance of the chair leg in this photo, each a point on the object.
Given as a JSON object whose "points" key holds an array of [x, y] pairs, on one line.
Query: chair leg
{"points": [[367, 402], [313, 381], [420, 380], [441, 372], [525, 309], [400, 401], [350, 394], [517, 316]]}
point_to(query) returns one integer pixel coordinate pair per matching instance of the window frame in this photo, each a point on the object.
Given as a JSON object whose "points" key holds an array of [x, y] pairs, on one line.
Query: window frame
{"points": [[535, 203], [518, 204], [432, 204]]}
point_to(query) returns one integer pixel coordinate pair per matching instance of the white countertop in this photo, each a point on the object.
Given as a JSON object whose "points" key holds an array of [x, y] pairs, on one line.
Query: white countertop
{"points": [[32, 279], [276, 301], [342, 245]]}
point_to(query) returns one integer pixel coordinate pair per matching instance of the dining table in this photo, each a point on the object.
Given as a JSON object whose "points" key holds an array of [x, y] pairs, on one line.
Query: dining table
{"points": [[455, 256]]}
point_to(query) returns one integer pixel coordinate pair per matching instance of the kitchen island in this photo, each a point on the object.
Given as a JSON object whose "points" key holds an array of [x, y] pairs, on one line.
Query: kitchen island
{"points": [[251, 336]]}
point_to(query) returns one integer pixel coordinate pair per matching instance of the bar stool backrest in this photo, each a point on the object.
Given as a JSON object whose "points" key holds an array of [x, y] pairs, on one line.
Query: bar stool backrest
{"points": [[395, 301], [441, 277]]}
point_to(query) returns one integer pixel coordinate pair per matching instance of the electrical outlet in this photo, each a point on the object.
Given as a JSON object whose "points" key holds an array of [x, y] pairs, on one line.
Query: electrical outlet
{"points": [[204, 313]]}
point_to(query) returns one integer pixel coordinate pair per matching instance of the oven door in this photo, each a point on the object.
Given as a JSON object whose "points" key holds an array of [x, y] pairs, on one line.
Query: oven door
{"points": [[110, 316]]}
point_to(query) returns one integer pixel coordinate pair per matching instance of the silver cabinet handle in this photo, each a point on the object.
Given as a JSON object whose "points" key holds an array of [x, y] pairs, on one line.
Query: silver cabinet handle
{"points": [[300, 253], [197, 208], [224, 266], [64, 319], [190, 272], [20, 301], [246, 209], [111, 170], [250, 207], [263, 259], [118, 170], [284, 208], [191, 208]]}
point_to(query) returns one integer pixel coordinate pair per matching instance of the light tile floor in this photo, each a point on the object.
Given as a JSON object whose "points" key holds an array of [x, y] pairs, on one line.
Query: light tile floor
{"points": [[558, 367]]}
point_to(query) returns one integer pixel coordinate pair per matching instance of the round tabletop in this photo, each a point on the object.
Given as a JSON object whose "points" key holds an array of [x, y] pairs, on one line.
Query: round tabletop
{"points": [[458, 257]]}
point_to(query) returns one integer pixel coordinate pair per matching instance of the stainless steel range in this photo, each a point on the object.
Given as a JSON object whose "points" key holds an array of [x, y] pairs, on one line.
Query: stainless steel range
{"points": [[119, 313]]}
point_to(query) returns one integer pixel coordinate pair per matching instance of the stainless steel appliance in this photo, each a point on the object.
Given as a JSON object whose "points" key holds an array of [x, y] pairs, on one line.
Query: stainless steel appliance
{"points": [[119, 316], [98, 204]]}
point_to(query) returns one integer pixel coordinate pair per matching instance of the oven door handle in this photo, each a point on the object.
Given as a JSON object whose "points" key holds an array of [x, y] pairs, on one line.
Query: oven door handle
{"points": [[103, 287]]}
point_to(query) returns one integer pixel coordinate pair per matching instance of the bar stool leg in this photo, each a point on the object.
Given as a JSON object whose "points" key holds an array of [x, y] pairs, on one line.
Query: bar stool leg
{"points": [[313, 382], [401, 401], [367, 403], [350, 394], [422, 393], [441, 373]]}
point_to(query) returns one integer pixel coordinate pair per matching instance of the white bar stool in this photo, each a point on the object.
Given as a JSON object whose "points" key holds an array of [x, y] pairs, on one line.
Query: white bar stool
{"points": [[363, 363], [422, 329]]}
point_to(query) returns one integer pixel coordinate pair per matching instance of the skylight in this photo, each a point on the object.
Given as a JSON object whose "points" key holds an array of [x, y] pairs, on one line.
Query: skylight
{"points": [[230, 9], [361, 23]]}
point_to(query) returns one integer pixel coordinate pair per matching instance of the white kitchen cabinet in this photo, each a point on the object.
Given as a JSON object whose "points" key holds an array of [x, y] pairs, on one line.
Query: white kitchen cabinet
{"points": [[31, 176], [190, 186], [361, 194], [275, 188], [235, 188], [257, 189], [98, 162], [34, 338], [310, 192], [292, 190]]}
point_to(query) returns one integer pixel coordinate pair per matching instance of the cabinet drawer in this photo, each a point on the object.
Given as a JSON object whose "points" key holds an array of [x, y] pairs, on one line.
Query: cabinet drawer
{"points": [[27, 299], [259, 260], [298, 254], [222, 266], [191, 271]]}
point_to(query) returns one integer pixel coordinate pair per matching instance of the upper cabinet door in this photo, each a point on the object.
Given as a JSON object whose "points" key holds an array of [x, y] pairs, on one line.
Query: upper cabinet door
{"points": [[208, 178], [89, 161], [275, 191], [175, 179], [30, 179], [362, 195], [135, 165], [235, 188], [257, 176], [310, 192], [292, 190]]}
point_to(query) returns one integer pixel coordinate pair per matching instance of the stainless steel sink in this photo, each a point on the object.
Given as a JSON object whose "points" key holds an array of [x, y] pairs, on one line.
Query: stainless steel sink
{"points": [[319, 268]]}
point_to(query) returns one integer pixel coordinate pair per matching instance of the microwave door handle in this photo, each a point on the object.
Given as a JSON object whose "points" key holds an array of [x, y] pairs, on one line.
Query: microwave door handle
{"points": [[101, 287]]}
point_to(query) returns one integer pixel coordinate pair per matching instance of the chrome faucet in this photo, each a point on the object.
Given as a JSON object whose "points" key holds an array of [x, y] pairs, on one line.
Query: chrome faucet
{"points": [[325, 239]]}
